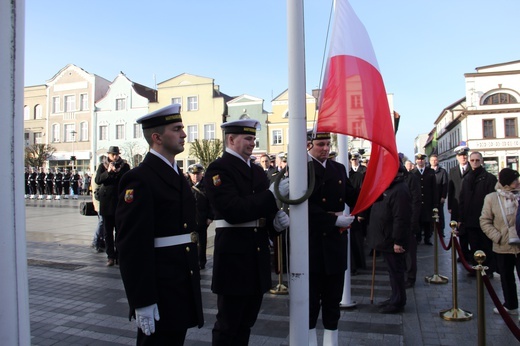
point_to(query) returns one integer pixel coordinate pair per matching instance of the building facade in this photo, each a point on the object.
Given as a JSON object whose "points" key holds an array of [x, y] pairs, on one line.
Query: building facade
{"points": [[115, 120], [35, 115], [71, 97], [486, 119], [204, 108]]}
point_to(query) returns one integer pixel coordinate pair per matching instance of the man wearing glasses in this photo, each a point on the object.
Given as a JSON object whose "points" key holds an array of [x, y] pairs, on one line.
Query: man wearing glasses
{"points": [[475, 186]]}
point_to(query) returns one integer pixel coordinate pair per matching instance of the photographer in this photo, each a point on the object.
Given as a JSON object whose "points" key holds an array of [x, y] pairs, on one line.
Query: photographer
{"points": [[108, 175]]}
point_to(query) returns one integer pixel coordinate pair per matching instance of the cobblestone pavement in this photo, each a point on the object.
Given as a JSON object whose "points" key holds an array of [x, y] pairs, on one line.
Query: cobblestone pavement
{"points": [[76, 300]]}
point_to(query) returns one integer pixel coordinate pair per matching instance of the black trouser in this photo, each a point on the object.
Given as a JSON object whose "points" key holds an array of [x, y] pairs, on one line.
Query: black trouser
{"points": [[424, 228], [325, 292], [479, 241], [357, 244], [203, 242], [506, 264], [396, 267], [235, 317], [411, 259], [59, 189], [110, 229]]}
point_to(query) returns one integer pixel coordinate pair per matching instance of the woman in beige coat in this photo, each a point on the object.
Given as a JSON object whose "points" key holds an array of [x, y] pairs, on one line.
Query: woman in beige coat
{"points": [[498, 223]]}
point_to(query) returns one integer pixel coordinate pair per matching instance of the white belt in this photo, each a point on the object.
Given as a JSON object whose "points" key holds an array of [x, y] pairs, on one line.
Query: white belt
{"points": [[254, 223], [173, 240]]}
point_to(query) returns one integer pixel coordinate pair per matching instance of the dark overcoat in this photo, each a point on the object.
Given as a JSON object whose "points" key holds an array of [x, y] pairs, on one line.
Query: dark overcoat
{"points": [[108, 182], [390, 218], [428, 193], [327, 245], [455, 178], [153, 202], [475, 186], [239, 193]]}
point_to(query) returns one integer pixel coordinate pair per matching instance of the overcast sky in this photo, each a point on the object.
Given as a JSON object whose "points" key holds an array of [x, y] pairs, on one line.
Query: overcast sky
{"points": [[423, 47]]}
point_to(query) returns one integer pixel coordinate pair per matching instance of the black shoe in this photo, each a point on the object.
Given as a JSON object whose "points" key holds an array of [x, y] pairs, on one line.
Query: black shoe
{"points": [[384, 303], [409, 284], [427, 242], [391, 309]]}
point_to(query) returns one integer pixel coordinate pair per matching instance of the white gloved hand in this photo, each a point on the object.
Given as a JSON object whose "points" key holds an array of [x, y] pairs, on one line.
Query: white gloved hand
{"points": [[281, 221], [145, 318], [344, 221], [283, 188]]}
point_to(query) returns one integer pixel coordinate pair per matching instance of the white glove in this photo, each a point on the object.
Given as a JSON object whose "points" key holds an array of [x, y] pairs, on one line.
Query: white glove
{"points": [[283, 188], [344, 221], [281, 221], [145, 318]]}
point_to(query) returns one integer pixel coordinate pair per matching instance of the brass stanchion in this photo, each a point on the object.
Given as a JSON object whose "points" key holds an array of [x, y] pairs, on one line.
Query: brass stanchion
{"points": [[436, 278], [454, 314], [280, 288], [480, 257]]}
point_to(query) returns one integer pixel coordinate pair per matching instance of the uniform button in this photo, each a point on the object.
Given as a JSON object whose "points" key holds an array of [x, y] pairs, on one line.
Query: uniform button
{"points": [[258, 249], [324, 200], [185, 225], [191, 272], [187, 249], [340, 182], [341, 199], [255, 229], [324, 234]]}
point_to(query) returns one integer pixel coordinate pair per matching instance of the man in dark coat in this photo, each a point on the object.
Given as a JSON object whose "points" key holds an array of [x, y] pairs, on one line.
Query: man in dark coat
{"points": [[265, 163], [58, 183], [429, 198], [475, 186], [204, 214], [455, 178], [49, 184], [388, 232], [66, 183], [108, 176], [414, 187], [40, 180], [245, 212], [358, 228], [441, 183], [327, 236], [33, 183], [155, 216]]}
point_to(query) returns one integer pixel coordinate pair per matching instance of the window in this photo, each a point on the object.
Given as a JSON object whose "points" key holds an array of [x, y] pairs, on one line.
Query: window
{"points": [[120, 131], [209, 131], [26, 137], [138, 131], [177, 100], [37, 138], [26, 113], [56, 104], [193, 133], [277, 137], [38, 112], [69, 133], [488, 128], [55, 133], [257, 143], [83, 100], [355, 101], [120, 104], [103, 132], [193, 103], [70, 103], [83, 131], [510, 127], [499, 99]]}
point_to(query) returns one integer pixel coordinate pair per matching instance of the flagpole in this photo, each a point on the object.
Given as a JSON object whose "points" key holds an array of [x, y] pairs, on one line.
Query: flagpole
{"points": [[346, 300], [299, 227]]}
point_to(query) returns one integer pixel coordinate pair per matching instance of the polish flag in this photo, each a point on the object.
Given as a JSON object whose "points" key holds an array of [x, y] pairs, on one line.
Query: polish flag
{"points": [[353, 101]]}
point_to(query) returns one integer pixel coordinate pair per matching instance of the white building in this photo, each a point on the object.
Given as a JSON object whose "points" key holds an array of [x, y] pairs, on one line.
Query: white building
{"points": [[486, 119]]}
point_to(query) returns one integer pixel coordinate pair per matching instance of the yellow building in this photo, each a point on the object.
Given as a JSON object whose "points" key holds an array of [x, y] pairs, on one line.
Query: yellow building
{"points": [[278, 121], [203, 108], [35, 115]]}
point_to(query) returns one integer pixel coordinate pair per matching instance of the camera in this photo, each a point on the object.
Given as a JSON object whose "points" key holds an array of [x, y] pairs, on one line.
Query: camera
{"points": [[117, 165]]}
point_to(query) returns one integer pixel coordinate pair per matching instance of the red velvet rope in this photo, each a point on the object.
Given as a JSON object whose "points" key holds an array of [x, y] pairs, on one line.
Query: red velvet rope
{"points": [[441, 238], [505, 315]]}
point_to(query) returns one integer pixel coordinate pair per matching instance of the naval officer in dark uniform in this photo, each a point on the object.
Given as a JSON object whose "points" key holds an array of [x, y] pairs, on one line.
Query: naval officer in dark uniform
{"points": [[245, 211], [327, 237], [158, 257]]}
